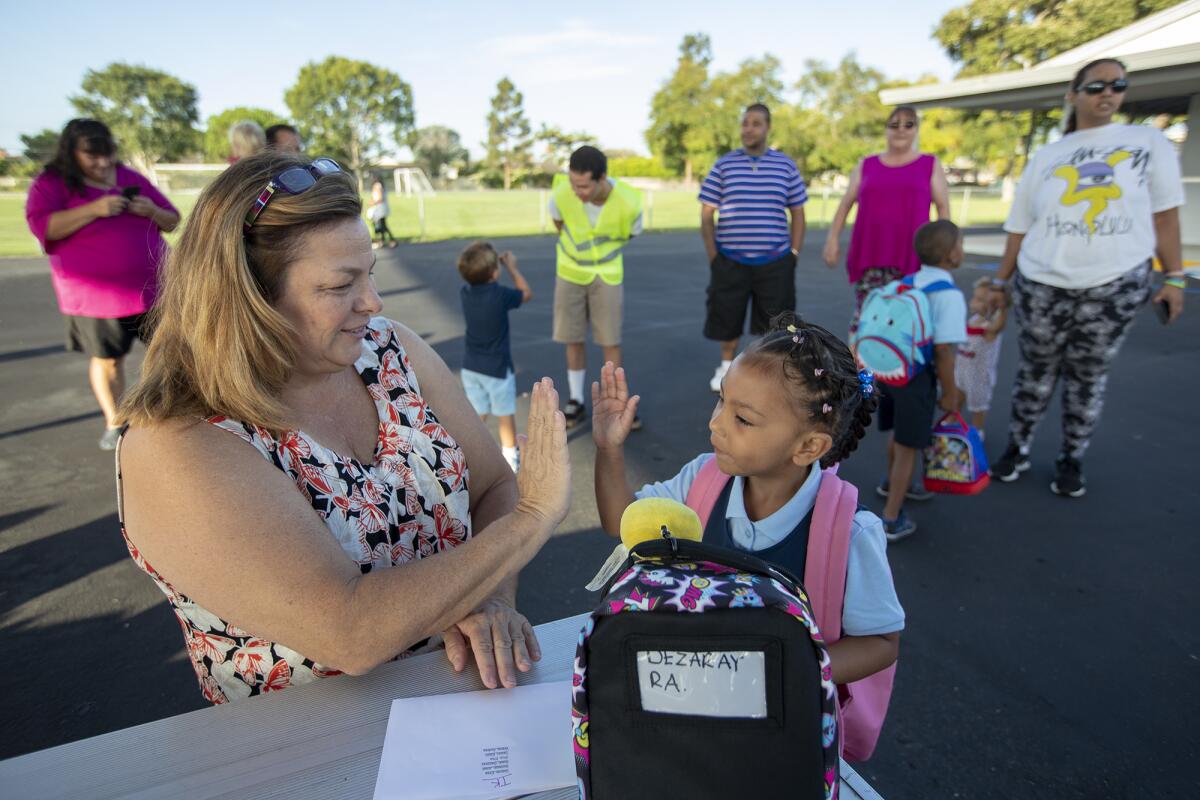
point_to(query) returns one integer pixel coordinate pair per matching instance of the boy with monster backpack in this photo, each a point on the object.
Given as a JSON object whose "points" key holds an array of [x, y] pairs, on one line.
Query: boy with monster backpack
{"points": [[909, 336]]}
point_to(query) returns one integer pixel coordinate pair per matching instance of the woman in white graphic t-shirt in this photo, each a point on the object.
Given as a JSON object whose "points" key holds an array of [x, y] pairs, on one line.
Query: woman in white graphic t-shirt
{"points": [[1091, 211]]}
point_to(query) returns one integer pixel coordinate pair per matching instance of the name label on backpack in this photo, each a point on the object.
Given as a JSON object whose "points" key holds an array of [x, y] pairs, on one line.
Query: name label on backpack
{"points": [[708, 683]]}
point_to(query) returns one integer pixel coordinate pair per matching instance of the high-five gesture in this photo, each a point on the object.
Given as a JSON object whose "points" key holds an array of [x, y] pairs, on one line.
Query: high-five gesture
{"points": [[544, 481], [613, 409]]}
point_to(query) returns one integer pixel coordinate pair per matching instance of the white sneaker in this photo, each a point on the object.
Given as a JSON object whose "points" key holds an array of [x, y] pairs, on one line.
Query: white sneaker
{"points": [[514, 463], [718, 376]]}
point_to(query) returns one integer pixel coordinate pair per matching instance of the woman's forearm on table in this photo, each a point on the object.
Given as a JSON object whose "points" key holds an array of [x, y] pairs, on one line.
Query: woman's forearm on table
{"points": [[390, 610], [498, 500]]}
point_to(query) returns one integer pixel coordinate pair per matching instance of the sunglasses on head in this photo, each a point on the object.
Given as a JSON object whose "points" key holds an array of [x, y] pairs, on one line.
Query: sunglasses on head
{"points": [[1096, 87], [908, 123], [293, 180]]}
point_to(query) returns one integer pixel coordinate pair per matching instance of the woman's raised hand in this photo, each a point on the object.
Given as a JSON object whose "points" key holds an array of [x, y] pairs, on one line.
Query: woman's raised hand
{"points": [[544, 480], [613, 409]]}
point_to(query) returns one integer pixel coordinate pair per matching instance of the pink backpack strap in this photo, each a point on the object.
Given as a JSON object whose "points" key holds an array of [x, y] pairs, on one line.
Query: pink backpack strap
{"points": [[705, 489], [863, 704], [829, 551]]}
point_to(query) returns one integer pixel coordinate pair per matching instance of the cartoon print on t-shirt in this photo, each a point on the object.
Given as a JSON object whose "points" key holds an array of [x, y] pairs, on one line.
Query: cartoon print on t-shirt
{"points": [[1091, 182]]}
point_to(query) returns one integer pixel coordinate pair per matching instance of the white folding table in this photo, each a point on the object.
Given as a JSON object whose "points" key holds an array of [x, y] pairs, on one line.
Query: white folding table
{"points": [[312, 742]]}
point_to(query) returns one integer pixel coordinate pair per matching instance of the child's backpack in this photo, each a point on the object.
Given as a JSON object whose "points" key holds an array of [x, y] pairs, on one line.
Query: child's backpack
{"points": [[955, 462], [895, 331], [863, 704], [701, 673]]}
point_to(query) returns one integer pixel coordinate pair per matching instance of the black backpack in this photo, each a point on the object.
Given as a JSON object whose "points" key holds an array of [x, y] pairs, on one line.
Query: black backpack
{"points": [[719, 685]]}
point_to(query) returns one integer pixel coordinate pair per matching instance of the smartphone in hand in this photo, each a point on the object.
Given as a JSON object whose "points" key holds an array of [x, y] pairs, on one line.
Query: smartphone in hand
{"points": [[1162, 311], [130, 192]]}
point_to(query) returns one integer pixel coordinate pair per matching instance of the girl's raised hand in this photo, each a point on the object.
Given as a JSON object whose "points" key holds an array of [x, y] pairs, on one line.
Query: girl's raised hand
{"points": [[613, 409]]}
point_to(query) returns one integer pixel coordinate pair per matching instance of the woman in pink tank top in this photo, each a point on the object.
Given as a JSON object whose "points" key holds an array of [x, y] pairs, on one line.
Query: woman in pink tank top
{"points": [[894, 190]]}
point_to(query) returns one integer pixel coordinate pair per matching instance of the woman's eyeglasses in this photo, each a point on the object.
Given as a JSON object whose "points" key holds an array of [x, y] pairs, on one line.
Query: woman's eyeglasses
{"points": [[907, 124], [293, 180], [1096, 87]]}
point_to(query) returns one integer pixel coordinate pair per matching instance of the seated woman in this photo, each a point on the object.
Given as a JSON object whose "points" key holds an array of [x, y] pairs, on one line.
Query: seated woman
{"points": [[294, 475]]}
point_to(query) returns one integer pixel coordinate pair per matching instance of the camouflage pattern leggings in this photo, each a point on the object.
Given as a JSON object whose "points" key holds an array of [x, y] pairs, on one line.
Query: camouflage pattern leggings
{"points": [[1074, 334]]}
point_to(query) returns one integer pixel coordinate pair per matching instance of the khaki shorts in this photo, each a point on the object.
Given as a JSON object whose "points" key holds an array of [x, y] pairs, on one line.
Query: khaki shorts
{"points": [[575, 306]]}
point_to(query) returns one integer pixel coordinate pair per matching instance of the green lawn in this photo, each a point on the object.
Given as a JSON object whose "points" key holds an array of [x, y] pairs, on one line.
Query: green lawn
{"points": [[464, 215]]}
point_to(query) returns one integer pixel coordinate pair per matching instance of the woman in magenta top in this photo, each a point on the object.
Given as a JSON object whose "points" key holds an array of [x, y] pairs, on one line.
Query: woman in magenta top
{"points": [[100, 223], [894, 191]]}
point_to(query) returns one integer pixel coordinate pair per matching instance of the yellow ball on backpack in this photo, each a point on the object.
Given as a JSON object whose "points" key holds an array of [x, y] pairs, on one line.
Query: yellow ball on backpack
{"points": [[647, 518], [643, 521]]}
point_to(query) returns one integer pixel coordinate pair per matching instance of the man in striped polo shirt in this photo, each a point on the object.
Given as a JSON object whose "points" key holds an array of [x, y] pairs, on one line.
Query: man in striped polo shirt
{"points": [[752, 247]]}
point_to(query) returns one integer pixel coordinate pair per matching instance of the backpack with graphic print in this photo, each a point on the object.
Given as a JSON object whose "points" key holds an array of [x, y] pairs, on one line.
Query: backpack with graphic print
{"points": [[701, 673], [895, 331]]}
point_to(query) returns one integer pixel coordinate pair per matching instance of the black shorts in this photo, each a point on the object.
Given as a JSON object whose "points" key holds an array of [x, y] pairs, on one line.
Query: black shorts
{"points": [[908, 410], [104, 338], [772, 287]]}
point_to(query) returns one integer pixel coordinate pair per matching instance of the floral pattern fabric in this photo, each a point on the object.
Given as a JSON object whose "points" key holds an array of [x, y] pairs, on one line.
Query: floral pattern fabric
{"points": [[411, 502], [656, 584]]}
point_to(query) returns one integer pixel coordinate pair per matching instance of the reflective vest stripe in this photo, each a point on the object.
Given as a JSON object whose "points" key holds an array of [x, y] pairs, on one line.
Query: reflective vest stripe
{"points": [[615, 254]]}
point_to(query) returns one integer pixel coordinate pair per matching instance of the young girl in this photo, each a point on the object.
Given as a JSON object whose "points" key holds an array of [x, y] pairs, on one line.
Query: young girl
{"points": [[378, 213], [791, 407], [975, 367]]}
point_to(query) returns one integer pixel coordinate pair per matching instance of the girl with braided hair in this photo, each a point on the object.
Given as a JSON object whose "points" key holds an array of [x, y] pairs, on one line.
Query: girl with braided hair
{"points": [[792, 406]]}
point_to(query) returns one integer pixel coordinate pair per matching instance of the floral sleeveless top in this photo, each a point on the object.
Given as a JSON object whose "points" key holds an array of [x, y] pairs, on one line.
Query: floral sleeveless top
{"points": [[410, 503]]}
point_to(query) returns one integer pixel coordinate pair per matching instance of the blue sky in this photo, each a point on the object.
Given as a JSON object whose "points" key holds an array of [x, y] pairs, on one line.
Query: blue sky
{"points": [[591, 66]]}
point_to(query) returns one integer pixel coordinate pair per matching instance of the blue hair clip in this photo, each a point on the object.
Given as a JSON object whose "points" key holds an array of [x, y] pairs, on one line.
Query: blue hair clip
{"points": [[866, 382]]}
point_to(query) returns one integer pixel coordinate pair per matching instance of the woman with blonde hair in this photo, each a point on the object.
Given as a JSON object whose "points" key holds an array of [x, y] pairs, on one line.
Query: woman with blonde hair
{"points": [[303, 478], [893, 190], [245, 139]]}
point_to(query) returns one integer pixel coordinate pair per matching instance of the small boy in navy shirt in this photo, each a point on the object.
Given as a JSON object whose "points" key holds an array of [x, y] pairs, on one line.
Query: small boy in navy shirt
{"points": [[487, 373]]}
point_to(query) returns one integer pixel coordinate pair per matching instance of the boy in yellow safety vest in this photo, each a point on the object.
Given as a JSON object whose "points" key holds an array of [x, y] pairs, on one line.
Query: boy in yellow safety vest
{"points": [[595, 216]]}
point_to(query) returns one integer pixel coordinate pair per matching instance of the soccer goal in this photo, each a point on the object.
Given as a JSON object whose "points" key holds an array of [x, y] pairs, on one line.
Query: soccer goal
{"points": [[409, 181]]}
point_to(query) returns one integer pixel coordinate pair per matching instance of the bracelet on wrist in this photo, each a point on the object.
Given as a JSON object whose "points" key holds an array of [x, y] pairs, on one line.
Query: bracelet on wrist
{"points": [[1178, 283]]}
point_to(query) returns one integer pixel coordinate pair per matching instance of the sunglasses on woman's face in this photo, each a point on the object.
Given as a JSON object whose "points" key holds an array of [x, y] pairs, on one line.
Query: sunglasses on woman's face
{"points": [[293, 180], [907, 124], [1096, 87]]}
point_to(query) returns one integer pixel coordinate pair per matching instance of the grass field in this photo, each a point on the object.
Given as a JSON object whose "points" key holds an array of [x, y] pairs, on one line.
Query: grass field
{"points": [[465, 215]]}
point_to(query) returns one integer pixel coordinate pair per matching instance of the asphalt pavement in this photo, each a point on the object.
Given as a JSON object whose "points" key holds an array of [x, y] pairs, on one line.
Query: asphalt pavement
{"points": [[1052, 648]]}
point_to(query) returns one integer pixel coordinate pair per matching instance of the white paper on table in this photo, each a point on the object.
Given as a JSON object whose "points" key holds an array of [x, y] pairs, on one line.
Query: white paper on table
{"points": [[492, 744]]}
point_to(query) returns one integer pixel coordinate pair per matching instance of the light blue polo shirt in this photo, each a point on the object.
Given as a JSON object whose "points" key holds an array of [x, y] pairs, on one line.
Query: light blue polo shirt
{"points": [[870, 607]]}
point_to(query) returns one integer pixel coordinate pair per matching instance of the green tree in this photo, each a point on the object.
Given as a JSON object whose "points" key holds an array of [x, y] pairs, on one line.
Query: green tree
{"points": [[841, 119], [152, 114], [679, 109], [436, 147], [559, 144], [348, 109], [508, 141], [985, 36], [40, 147], [756, 80], [997, 35], [216, 131], [695, 117]]}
